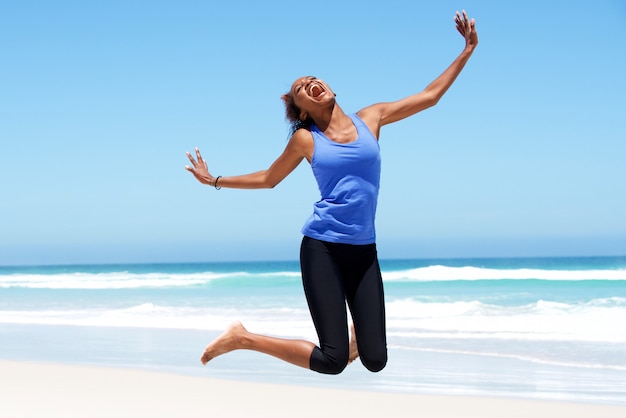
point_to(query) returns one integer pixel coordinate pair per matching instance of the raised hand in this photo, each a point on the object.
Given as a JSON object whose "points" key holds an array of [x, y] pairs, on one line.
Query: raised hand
{"points": [[200, 170], [467, 28]]}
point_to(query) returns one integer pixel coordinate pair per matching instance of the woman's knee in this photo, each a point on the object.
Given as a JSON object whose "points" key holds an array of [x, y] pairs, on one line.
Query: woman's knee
{"points": [[336, 367], [328, 363], [375, 363]]}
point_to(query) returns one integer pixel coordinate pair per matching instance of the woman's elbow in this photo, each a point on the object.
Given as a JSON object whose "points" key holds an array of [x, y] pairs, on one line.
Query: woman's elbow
{"points": [[431, 100], [270, 183]]}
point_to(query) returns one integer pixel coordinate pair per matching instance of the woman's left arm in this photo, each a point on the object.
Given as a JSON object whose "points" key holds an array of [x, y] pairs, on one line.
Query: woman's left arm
{"points": [[381, 114]]}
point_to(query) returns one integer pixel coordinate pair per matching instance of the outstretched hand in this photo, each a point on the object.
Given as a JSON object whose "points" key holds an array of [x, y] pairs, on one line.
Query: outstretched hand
{"points": [[199, 170], [467, 28]]}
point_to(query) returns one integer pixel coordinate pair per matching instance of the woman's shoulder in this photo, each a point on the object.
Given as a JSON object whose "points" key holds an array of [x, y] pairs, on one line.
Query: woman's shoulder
{"points": [[371, 118], [302, 140], [302, 134]]}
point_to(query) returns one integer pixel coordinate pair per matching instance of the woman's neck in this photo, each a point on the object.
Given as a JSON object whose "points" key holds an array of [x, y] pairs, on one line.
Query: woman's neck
{"points": [[336, 125]]}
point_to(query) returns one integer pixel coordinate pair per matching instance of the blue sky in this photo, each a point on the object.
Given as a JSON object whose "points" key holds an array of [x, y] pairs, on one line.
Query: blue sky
{"points": [[524, 156]]}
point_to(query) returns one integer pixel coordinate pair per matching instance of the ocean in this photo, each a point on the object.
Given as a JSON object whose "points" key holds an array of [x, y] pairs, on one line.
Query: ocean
{"points": [[541, 328]]}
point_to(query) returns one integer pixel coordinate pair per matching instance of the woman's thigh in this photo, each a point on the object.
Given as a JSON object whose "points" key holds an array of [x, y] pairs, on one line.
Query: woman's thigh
{"points": [[325, 294]]}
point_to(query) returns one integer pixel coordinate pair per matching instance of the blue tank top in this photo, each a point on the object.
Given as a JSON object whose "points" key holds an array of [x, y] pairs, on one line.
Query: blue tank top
{"points": [[348, 177]]}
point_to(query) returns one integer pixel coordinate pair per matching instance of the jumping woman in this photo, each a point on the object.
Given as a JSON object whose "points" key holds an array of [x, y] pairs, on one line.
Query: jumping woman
{"points": [[338, 257]]}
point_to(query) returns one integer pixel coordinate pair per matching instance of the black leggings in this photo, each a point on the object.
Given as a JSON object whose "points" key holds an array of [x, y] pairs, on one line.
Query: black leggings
{"points": [[333, 274]]}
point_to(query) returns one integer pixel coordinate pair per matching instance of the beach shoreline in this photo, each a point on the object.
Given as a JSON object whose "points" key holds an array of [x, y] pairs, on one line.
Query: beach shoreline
{"points": [[527, 329], [35, 389]]}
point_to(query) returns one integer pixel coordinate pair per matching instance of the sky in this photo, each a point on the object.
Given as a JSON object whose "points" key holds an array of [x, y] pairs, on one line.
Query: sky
{"points": [[525, 156]]}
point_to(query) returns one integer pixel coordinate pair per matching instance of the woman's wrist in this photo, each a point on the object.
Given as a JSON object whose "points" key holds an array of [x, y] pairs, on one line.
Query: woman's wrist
{"points": [[468, 51], [215, 183]]}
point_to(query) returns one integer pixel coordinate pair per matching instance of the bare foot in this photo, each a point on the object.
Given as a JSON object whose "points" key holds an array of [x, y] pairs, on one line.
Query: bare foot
{"points": [[228, 341], [354, 349]]}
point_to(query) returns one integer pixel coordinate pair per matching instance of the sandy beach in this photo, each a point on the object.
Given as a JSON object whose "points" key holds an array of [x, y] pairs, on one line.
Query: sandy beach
{"points": [[58, 390]]}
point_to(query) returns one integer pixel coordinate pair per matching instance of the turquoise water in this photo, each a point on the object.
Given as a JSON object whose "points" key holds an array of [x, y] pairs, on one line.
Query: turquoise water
{"points": [[543, 328]]}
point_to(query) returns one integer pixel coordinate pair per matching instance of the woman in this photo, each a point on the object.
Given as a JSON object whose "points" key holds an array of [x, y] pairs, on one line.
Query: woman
{"points": [[338, 256]]}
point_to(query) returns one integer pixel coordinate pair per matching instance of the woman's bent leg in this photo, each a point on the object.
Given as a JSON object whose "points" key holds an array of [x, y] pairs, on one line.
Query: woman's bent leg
{"points": [[323, 286], [236, 337]]}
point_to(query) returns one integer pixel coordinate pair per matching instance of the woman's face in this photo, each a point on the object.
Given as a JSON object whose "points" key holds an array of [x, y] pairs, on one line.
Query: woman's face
{"points": [[309, 92]]}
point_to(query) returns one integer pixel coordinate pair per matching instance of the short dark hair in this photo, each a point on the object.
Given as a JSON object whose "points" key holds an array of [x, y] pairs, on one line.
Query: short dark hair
{"points": [[292, 114]]}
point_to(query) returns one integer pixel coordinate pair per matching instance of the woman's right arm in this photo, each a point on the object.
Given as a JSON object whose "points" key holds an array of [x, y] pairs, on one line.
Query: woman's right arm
{"points": [[381, 114], [300, 146]]}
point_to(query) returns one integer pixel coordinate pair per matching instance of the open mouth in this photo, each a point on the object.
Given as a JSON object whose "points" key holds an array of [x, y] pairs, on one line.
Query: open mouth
{"points": [[315, 90]]}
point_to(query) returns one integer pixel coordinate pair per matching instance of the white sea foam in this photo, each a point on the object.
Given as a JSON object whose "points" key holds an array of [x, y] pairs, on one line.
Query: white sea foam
{"points": [[128, 280], [273, 320], [444, 273], [114, 280], [594, 321], [597, 320], [125, 280]]}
